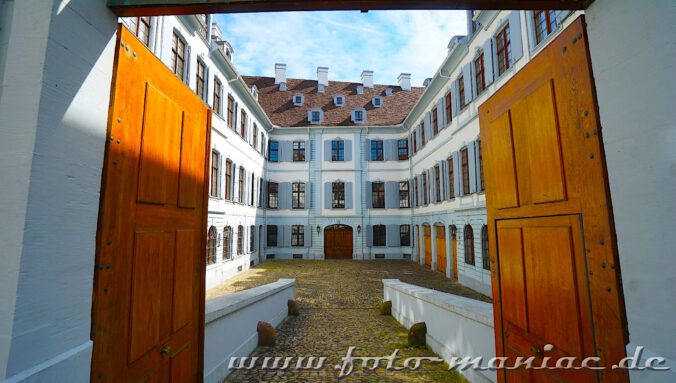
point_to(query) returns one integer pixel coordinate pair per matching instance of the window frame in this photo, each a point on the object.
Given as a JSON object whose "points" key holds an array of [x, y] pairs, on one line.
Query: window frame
{"points": [[503, 48], [217, 102], [242, 178], [405, 234], [215, 187], [378, 196], [200, 79], [228, 180], [338, 150], [403, 157], [451, 175], [449, 108], [252, 238], [550, 24], [377, 150], [269, 233], [240, 239], [176, 43], [435, 122], [298, 195], [464, 166], [424, 186], [134, 25], [379, 237], [404, 195], [437, 182], [212, 245], [231, 112], [242, 124], [468, 239], [482, 184], [227, 243], [276, 151], [297, 236], [299, 151], [485, 251], [338, 195], [272, 194], [461, 92], [479, 74]]}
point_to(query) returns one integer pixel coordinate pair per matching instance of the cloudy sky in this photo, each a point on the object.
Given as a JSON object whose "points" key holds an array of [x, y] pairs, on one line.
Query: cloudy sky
{"points": [[387, 42]]}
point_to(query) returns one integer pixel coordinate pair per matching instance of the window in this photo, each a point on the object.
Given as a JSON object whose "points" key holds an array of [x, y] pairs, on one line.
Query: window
{"points": [[415, 186], [228, 180], [378, 195], [242, 177], [263, 145], [358, 116], [177, 56], [252, 189], [231, 112], [199, 90], [464, 161], [481, 167], [272, 236], [377, 150], [451, 186], [255, 136], [242, 127], [504, 49], [252, 238], [379, 235], [298, 99], [297, 235], [404, 195], [377, 102], [316, 116], [273, 196], [273, 154], [485, 255], [227, 242], [479, 78], [545, 22], [422, 134], [415, 142], [424, 191], [140, 26], [469, 245], [338, 195], [461, 91], [299, 150], [211, 245], [405, 235], [240, 240], [437, 182], [215, 174], [298, 195], [337, 150], [217, 107], [449, 108], [260, 192], [402, 149], [435, 123], [339, 100]]}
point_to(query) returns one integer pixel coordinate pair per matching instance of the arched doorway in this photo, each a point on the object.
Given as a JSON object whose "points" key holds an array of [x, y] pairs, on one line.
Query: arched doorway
{"points": [[338, 242]]}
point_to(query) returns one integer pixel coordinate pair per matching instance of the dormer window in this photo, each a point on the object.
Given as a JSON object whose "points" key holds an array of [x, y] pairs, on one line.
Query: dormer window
{"points": [[377, 101], [298, 99], [359, 116], [315, 116], [388, 91], [360, 89], [339, 100], [254, 91]]}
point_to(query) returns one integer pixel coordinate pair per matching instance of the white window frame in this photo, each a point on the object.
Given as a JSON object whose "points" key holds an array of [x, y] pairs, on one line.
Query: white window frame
{"points": [[295, 97]]}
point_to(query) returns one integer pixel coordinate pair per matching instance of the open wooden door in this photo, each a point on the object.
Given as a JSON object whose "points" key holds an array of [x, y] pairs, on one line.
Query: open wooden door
{"points": [[147, 319], [555, 270]]}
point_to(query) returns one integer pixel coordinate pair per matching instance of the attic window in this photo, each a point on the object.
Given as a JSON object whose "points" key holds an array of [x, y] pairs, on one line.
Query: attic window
{"points": [[254, 91], [315, 116], [359, 116], [388, 91], [360, 89], [377, 102], [339, 100], [298, 99]]}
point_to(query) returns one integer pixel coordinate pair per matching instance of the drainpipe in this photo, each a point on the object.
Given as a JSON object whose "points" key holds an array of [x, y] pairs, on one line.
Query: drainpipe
{"points": [[368, 172]]}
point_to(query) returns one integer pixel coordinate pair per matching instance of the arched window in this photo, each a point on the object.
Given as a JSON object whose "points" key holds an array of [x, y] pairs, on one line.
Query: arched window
{"points": [[240, 240], [485, 256], [211, 245], [469, 245], [227, 242]]}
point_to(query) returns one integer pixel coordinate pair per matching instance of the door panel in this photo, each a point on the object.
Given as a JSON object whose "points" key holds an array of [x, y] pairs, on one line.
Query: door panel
{"points": [[427, 234], [546, 191], [147, 319], [441, 248], [338, 243]]}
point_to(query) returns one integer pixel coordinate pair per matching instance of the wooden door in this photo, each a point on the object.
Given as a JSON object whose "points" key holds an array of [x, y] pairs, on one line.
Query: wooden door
{"points": [[555, 270], [441, 248], [417, 240], [338, 242], [454, 249], [427, 235], [148, 309]]}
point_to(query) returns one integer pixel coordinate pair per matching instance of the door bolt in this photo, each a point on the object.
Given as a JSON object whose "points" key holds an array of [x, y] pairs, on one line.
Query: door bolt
{"points": [[114, 162], [574, 40], [105, 290], [586, 113], [591, 156], [564, 49], [603, 265], [608, 289], [587, 135], [602, 242], [612, 266], [119, 119], [118, 141], [112, 137], [108, 242], [134, 54]]}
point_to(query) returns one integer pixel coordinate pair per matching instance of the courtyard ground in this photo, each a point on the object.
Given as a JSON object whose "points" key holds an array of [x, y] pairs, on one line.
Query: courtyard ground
{"points": [[339, 308]]}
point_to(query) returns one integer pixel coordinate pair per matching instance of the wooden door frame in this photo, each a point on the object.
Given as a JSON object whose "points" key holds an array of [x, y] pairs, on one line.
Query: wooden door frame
{"points": [[340, 227]]}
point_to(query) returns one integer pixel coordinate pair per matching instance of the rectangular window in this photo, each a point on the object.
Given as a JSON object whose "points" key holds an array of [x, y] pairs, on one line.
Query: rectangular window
{"points": [[272, 235], [437, 182], [545, 22], [254, 141], [252, 238], [273, 154], [298, 195], [199, 90], [461, 92], [242, 128], [231, 112], [299, 151], [316, 116], [449, 108], [273, 195], [228, 180], [405, 235], [242, 177], [240, 240], [404, 195], [215, 173], [377, 150], [359, 115], [260, 192], [177, 56], [263, 145], [451, 186], [415, 142], [379, 235], [422, 134], [435, 123], [479, 78], [140, 26], [378, 195], [415, 187], [338, 150], [217, 107], [338, 195], [402, 149], [252, 189], [481, 167], [424, 191], [297, 235], [504, 49], [464, 161]]}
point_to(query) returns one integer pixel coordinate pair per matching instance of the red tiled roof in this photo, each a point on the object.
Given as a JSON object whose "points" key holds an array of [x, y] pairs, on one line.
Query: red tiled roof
{"points": [[281, 111]]}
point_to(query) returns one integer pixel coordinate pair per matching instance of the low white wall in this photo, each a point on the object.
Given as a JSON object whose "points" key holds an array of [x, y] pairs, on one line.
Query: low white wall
{"points": [[230, 323], [456, 326]]}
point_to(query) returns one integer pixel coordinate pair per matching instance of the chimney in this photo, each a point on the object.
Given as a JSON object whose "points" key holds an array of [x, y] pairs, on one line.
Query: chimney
{"points": [[322, 78], [280, 74], [367, 78], [216, 33], [404, 80]]}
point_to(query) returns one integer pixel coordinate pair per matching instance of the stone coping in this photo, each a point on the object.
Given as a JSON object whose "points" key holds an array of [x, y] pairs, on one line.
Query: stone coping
{"points": [[219, 307], [470, 308]]}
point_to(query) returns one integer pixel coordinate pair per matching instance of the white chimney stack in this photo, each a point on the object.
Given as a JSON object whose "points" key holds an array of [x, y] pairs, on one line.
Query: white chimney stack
{"points": [[322, 78], [404, 81], [280, 74], [367, 78]]}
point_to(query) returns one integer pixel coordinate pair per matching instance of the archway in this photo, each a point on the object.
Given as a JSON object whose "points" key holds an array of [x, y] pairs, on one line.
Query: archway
{"points": [[338, 243]]}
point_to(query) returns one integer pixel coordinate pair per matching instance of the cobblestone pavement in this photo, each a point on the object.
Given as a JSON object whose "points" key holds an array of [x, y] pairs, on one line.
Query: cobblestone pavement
{"points": [[338, 308]]}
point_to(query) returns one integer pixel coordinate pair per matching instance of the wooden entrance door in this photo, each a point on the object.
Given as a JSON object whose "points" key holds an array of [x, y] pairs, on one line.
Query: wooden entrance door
{"points": [[148, 310], [427, 235], [338, 242], [441, 248], [454, 249], [554, 269]]}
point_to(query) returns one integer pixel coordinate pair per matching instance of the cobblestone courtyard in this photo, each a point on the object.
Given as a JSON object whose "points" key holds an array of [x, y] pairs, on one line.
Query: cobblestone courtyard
{"points": [[338, 308]]}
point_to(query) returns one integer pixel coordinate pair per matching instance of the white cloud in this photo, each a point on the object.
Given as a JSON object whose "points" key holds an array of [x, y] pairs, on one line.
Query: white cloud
{"points": [[388, 42]]}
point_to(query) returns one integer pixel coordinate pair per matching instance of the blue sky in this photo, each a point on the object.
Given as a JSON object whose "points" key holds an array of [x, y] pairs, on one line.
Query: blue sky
{"points": [[387, 42]]}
